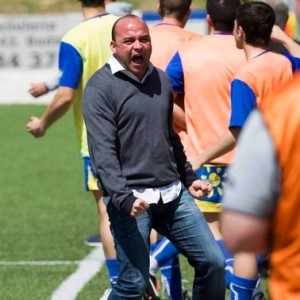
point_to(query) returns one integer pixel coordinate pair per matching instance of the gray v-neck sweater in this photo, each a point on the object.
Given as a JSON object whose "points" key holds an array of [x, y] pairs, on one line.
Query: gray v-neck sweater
{"points": [[131, 139]]}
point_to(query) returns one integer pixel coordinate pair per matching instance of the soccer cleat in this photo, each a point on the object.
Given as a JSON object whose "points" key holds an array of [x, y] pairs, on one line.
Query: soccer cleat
{"points": [[151, 291], [258, 294], [186, 295]]}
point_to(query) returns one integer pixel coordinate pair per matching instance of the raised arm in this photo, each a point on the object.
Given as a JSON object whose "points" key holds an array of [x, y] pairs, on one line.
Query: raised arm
{"points": [[279, 36]]}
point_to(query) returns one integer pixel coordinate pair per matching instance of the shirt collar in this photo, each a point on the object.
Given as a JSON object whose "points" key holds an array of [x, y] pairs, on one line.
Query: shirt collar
{"points": [[115, 67]]}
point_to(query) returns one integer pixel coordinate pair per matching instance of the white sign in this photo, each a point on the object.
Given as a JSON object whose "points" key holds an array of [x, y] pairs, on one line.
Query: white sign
{"points": [[31, 42], [29, 50]]}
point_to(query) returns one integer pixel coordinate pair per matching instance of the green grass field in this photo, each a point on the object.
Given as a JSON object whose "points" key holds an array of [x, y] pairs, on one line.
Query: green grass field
{"points": [[45, 214]]}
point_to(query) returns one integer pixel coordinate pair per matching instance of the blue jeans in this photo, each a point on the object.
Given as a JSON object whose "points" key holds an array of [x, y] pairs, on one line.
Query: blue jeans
{"points": [[184, 225]]}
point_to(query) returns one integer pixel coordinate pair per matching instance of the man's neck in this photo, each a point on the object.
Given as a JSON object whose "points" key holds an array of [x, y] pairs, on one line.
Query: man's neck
{"points": [[172, 21], [212, 30], [90, 12], [252, 51]]}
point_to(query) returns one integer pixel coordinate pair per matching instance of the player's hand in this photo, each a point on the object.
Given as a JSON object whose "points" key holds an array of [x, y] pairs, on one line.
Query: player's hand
{"points": [[35, 127], [38, 89], [139, 207], [278, 35], [199, 188]]}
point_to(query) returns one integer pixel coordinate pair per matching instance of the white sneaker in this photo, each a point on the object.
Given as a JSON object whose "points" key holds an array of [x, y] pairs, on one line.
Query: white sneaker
{"points": [[106, 294]]}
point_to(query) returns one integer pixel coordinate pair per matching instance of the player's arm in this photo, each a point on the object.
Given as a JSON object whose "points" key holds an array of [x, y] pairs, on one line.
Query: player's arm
{"points": [[38, 89], [56, 109], [252, 163], [70, 66], [223, 145], [178, 111], [279, 36], [175, 72], [251, 234], [59, 106]]}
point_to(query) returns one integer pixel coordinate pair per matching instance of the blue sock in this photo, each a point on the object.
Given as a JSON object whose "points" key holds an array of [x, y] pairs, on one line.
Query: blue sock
{"points": [[228, 262], [242, 288], [164, 251], [171, 279], [154, 245], [113, 271], [166, 255]]}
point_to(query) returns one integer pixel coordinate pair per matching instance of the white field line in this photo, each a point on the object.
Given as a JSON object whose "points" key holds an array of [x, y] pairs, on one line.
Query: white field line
{"points": [[87, 269], [40, 263], [72, 285]]}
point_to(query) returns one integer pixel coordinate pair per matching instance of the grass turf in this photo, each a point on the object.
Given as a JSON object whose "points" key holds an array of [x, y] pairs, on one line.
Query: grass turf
{"points": [[45, 214]]}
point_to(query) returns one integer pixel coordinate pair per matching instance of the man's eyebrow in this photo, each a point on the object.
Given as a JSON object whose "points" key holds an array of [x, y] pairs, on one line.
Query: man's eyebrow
{"points": [[145, 36]]}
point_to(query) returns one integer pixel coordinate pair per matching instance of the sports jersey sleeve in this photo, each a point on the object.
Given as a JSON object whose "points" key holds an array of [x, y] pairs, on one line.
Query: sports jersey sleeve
{"points": [[70, 65], [243, 101], [295, 61], [175, 72]]}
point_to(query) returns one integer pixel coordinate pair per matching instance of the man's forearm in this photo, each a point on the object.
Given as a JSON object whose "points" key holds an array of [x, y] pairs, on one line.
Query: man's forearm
{"points": [[178, 112], [279, 36], [58, 107], [225, 144]]}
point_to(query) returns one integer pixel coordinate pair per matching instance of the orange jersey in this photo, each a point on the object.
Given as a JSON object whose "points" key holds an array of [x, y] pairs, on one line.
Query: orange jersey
{"points": [[282, 116], [166, 39], [209, 64], [255, 80]]}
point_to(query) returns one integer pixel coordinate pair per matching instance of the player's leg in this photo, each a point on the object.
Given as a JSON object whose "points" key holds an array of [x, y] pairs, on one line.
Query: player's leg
{"points": [[91, 184], [240, 270], [211, 208], [214, 225], [164, 256], [107, 239], [245, 276]]}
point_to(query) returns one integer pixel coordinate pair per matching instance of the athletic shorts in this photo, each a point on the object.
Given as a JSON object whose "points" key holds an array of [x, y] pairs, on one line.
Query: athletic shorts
{"points": [[90, 179], [216, 175]]}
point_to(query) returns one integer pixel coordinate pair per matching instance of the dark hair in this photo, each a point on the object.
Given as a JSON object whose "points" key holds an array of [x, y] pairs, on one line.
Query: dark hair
{"points": [[174, 8], [113, 30], [91, 3], [222, 13], [257, 20]]}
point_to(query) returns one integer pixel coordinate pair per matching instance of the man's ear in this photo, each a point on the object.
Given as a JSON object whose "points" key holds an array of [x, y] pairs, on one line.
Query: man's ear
{"points": [[158, 9], [209, 22], [188, 13], [240, 32], [113, 47]]}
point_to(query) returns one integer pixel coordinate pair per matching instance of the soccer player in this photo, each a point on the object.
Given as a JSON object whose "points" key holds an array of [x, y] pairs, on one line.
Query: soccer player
{"points": [[263, 73], [265, 174], [202, 70], [83, 50]]}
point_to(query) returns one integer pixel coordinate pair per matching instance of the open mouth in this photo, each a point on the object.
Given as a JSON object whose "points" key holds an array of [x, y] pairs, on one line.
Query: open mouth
{"points": [[137, 59]]}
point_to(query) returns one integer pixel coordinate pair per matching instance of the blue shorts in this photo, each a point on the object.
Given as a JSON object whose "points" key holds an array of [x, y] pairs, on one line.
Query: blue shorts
{"points": [[216, 175], [90, 180]]}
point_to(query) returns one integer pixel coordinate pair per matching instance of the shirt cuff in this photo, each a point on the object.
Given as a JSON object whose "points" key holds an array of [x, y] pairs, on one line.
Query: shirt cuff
{"points": [[126, 205]]}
